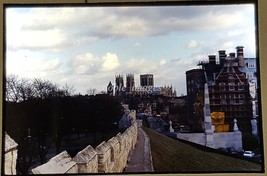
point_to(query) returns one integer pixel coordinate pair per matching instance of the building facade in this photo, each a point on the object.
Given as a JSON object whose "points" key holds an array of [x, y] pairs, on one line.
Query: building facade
{"points": [[110, 89], [229, 93], [147, 80], [232, 86], [195, 80], [130, 86], [119, 87]]}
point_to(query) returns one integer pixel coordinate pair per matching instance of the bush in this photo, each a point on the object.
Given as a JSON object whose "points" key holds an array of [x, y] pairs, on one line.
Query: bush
{"points": [[250, 142]]}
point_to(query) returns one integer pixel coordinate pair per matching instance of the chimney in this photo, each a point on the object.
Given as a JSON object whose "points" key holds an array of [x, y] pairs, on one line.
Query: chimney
{"points": [[240, 56], [212, 59], [222, 57], [232, 55]]}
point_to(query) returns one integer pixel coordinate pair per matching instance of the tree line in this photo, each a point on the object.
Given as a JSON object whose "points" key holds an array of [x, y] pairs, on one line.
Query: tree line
{"points": [[38, 115], [21, 89]]}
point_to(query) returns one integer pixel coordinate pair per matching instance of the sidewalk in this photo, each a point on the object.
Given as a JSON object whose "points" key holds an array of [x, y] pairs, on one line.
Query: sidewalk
{"points": [[140, 159]]}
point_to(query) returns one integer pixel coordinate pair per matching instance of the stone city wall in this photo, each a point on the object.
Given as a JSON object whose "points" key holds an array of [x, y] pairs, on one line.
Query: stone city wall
{"points": [[107, 157], [11, 153], [218, 140], [228, 139], [198, 138]]}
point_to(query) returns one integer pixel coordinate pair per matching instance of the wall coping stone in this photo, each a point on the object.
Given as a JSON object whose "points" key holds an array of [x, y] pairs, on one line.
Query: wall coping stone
{"points": [[102, 148], [59, 164], [86, 155], [10, 144]]}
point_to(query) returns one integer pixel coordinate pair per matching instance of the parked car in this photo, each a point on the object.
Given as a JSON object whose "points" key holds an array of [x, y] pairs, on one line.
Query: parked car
{"points": [[249, 154], [184, 129]]}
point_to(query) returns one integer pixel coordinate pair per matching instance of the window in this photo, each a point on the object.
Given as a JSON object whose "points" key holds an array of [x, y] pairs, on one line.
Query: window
{"points": [[222, 96], [240, 86], [232, 101], [249, 75], [231, 86], [241, 102], [222, 86], [223, 101], [251, 65]]}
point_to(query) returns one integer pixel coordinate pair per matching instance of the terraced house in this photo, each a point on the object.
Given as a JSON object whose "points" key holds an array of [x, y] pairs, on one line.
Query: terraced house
{"points": [[232, 86]]}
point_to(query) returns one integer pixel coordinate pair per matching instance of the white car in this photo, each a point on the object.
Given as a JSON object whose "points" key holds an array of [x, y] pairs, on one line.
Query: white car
{"points": [[249, 154]]}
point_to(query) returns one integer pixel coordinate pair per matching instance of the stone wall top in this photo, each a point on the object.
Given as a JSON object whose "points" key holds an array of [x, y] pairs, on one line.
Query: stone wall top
{"points": [[10, 144], [132, 114], [85, 155], [113, 141], [61, 163], [102, 148]]}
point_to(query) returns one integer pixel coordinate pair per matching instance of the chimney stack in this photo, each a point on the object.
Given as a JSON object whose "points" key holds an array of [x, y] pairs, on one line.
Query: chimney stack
{"points": [[240, 56], [212, 59], [222, 57], [232, 55]]}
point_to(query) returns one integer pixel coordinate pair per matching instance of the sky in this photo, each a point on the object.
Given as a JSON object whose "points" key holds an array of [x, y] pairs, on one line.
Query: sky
{"points": [[87, 46]]}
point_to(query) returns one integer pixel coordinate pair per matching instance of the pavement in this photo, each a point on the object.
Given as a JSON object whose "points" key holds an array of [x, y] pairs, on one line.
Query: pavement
{"points": [[140, 160]]}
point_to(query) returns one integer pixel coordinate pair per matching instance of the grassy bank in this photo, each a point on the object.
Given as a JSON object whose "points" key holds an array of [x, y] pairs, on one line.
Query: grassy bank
{"points": [[170, 155]]}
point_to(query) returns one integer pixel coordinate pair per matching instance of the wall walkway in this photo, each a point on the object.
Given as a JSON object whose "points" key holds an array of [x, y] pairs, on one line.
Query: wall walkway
{"points": [[140, 160]]}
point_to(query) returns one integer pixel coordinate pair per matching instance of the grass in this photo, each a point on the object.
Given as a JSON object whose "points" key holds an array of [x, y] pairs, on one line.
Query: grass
{"points": [[170, 155]]}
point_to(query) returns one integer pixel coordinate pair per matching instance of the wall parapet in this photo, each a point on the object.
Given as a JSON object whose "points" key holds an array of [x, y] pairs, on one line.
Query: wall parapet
{"points": [[59, 164], [107, 157]]}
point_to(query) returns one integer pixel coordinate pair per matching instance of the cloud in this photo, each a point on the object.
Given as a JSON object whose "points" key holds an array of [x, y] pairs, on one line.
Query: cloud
{"points": [[162, 62], [111, 62], [50, 65], [85, 64], [88, 37], [192, 44], [55, 28]]}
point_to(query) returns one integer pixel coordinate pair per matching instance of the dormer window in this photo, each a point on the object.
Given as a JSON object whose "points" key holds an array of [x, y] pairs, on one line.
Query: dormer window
{"points": [[231, 86], [240, 86]]}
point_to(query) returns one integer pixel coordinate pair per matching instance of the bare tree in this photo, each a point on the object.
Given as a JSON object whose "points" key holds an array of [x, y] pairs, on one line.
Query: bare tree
{"points": [[21, 89], [18, 89], [25, 89], [68, 89], [91, 91], [44, 89], [12, 93]]}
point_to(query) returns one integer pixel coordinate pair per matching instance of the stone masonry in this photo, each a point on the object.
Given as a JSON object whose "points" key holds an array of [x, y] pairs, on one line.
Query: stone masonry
{"points": [[11, 153], [61, 163]]}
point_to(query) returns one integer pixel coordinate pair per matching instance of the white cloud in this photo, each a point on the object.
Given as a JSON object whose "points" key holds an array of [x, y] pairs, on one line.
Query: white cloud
{"points": [[128, 27], [20, 38], [111, 62], [85, 63], [39, 32], [162, 62], [49, 65], [192, 44]]}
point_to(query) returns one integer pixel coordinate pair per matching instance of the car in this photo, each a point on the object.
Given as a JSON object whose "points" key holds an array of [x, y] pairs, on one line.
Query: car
{"points": [[249, 154], [184, 129]]}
